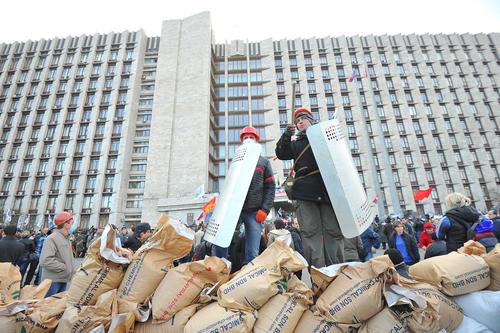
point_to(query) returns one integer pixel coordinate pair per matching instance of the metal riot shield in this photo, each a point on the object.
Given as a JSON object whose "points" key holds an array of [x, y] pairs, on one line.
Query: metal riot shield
{"points": [[354, 211], [227, 211]]}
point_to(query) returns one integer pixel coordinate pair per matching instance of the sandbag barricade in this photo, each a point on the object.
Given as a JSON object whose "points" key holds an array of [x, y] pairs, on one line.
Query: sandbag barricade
{"points": [[183, 284], [355, 293], [101, 271], [171, 240], [283, 311], [454, 274], [492, 258], [259, 280], [215, 318], [78, 319]]}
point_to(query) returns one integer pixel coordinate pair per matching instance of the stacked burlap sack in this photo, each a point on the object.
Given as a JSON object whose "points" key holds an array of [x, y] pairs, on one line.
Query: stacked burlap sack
{"points": [[445, 294]]}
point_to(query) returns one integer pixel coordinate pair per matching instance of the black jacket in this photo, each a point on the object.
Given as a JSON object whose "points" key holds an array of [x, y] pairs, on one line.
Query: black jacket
{"points": [[310, 188], [10, 249], [297, 240], [29, 246], [461, 220], [132, 243], [437, 248], [411, 246], [260, 194]]}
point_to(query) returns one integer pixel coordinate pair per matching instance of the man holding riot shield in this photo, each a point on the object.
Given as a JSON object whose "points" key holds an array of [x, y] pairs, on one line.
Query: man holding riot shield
{"points": [[258, 202], [323, 241]]}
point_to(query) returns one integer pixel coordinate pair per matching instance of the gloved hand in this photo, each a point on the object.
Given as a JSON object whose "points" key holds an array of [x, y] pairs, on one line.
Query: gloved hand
{"points": [[260, 216], [290, 130]]}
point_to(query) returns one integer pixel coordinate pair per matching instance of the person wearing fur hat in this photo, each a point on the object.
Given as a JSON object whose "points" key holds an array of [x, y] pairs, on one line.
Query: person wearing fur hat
{"points": [[322, 238], [56, 258]]}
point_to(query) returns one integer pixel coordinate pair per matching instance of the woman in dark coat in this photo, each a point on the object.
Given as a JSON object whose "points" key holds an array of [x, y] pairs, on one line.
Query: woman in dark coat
{"points": [[458, 219], [405, 243]]}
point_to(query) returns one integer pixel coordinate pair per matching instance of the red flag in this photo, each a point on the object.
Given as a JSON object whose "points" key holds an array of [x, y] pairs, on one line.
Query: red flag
{"points": [[375, 200], [422, 194]]}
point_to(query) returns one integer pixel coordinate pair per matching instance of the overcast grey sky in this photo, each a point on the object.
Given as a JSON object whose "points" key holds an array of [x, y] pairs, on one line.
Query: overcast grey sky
{"points": [[252, 19]]}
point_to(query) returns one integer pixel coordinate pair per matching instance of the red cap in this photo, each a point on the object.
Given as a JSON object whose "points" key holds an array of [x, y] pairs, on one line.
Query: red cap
{"points": [[62, 218], [249, 130]]}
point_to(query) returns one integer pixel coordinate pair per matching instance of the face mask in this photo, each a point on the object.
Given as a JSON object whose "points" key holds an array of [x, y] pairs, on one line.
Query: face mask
{"points": [[247, 140], [242, 228], [73, 228]]}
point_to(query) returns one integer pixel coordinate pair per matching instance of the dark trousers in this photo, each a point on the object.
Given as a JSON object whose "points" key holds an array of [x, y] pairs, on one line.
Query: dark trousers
{"points": [[322, 238]]}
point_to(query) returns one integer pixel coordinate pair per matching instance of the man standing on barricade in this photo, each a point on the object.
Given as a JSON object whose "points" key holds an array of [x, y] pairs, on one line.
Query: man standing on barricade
{"points": [[258, 202], [321, 235]]}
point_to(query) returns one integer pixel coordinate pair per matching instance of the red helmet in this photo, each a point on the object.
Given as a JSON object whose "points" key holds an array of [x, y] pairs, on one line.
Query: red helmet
{"points": [[302, 112], [250, 130], [62, 217]]}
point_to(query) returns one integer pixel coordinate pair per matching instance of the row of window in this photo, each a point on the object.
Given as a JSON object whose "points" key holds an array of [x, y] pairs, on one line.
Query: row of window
{"points": [[31, 61]]}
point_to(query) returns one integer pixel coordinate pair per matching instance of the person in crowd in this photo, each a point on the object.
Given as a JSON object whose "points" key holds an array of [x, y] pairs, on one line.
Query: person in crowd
{"points": [[353, 249], [407, 224], [405, 243], [418, 226], [398, 262], [437, 248], [123, 235], [11, 250], [371, 242], [141, 233], [388, 228], [458, 219], [1, 230], [198, 236], [280, 233], [296, 236], [237, 248], [493, 215], [483, 233], [426, 236], [39, 241], [29, 258], [98, 233], [321, 235], [56, 258], [258, 202], [381, 233]]}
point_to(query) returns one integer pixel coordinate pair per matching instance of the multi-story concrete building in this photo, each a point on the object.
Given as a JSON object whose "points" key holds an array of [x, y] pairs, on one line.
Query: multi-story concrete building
{"points": [[119, 127]]}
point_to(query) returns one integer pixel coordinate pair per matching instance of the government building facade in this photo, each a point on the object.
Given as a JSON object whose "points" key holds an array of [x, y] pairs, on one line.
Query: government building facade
{"points": [[119, 127]]}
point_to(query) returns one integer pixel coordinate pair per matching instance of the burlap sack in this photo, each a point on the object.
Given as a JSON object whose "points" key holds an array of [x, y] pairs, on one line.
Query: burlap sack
{"points": [[309, 322], [448, 313], [42, 316], [454, 274], [183, 284], [8, 324], [283, 312], [384, 321], [86, 318], [175, 324], [10, 283], [30, 292], [472, 247], [355, 294], [258, 281], [215, 318], [122, 323], [492, 258], [322, 277], [101, 271], [171, 240]]}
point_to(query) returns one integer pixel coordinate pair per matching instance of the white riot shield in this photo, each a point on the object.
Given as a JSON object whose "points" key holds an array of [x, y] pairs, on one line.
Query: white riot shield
{"points": [[227, 211], [354, 211]]}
